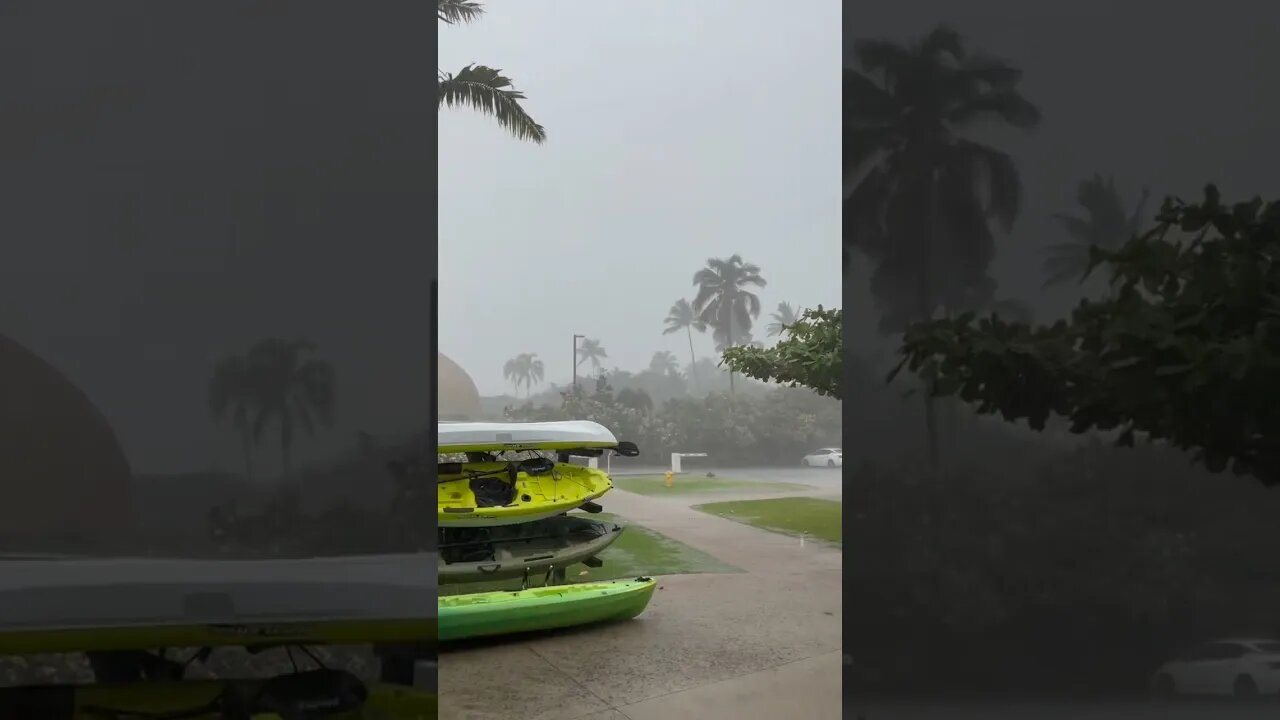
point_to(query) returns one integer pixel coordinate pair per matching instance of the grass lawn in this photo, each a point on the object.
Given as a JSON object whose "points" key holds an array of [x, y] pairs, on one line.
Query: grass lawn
{"points": [[692, 484], [640, 551], [818, 519]]}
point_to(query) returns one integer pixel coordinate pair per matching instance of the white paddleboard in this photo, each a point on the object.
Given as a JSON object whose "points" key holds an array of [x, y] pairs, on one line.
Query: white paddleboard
{"points": [[457, 437]]}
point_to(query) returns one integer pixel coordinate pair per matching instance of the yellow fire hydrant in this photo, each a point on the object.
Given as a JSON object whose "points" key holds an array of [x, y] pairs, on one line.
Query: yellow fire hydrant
{"points": [[670, 478]]}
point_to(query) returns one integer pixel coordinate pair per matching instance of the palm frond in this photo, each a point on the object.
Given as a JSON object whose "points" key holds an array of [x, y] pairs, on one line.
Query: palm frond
{"points": [[1065, 262], [1064, 275], [486, 90], [997, 173], [886, 57], [864, 211], [1065, 250], [992, 72], [864, 101], [454, 12], [943, 40], [1008, 106], [1078, 228]]}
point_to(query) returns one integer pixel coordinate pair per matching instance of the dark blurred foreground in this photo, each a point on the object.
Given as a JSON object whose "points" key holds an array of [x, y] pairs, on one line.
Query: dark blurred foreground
{"points": [[1048, 564]]}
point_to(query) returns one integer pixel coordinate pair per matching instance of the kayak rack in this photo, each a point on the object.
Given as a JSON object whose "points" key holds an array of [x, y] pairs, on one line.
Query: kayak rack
{"points": [[553, 572], [500, 541]]}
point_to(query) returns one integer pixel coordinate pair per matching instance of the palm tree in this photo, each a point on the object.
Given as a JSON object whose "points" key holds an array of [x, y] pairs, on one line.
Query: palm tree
{"points": [[1105, 224], [635, 399], [682, 317], [592, 351], [723, 301], [232, 394], [783, 318], [747, 340], [525, 369], [294, 389], [920, 195], [664, 363], [482, 88]]}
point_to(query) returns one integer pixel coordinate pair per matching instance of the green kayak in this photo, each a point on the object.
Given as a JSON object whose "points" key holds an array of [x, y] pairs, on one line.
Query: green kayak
{"points": [[544, 608]]}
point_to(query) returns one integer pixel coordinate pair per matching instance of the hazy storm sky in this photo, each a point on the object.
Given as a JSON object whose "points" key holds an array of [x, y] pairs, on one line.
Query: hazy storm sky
{"points": [[677, 131]]}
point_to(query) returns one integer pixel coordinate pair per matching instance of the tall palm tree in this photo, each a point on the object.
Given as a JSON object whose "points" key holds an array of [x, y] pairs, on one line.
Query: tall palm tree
{"points": [[784, 317], [1105, 224], [480, 87], [296, 390], [723, 301], [593, 352], [664, 363], [524, 369], [682, 317], [233, 395], [921, 197]]}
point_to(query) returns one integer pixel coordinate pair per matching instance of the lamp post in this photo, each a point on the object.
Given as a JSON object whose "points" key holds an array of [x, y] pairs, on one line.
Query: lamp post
{"points": [[576, 338]]}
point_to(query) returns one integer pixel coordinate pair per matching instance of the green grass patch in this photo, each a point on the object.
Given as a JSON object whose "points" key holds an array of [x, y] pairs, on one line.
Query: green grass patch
{"points": [[640, 551], [655, 485], [815, 518]]}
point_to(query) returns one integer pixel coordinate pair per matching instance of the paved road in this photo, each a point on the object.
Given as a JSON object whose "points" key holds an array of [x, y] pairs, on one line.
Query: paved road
{"points": [[763, 643]]}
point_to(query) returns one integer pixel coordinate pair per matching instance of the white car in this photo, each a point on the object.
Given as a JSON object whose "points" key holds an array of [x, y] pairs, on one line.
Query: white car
{"points": [[826, 457], [1240, 668]]}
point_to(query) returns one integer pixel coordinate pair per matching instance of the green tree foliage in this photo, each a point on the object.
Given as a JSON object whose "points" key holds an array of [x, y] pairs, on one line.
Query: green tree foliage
{"points": [[523, 369], [1186, 351], [811, 355], [681, 316], [297, 391], [635, 399], [783, 318], [591, 351], [1105, 224], [277, 381], [233, 397], [725, 302], [921, 195], [776, 428], [924, 194], [482, 88], [664, 362]]}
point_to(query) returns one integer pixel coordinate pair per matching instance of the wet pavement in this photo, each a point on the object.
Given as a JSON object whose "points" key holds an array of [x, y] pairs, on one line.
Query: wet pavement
{"points": [[762, 643], [1137, 709]]}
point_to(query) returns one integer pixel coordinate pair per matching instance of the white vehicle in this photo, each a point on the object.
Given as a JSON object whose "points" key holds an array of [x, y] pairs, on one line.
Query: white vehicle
{"points": [[1240, 668], [826, 457]]}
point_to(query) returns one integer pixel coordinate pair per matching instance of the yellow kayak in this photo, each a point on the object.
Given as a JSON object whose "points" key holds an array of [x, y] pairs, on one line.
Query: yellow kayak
{"points": [[484, 494]]}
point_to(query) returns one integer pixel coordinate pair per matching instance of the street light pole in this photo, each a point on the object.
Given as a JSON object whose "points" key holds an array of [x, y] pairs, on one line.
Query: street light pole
{"points": [[576, 338]]}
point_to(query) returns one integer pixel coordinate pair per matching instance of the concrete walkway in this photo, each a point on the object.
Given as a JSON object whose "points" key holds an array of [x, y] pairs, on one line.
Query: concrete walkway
{"points": [[763, 643]]}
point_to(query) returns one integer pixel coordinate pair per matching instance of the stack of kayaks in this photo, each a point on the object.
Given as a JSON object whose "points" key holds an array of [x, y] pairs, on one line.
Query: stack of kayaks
{"points": [[513, 505]]}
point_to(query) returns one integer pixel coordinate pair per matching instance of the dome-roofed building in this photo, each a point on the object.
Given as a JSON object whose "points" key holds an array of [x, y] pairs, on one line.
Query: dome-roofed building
{"points": [[62, 471], [458, 398]]}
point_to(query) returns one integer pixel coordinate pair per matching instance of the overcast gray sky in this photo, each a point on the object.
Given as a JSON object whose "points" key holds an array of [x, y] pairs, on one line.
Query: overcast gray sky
{"points": [[677, 131], [166, 201]]}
